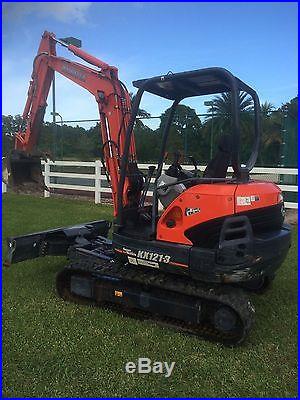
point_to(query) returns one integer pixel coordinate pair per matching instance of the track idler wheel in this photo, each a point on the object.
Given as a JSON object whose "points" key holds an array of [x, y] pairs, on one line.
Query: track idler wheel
{"points": [[225, 319]]}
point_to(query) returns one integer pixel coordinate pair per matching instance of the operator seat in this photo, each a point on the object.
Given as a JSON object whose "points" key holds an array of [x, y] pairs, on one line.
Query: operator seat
{"points": [[218, 165]]}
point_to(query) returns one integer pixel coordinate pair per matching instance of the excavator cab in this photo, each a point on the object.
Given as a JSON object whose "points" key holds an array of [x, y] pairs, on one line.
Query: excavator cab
{"points": [[177, 87], [211, 225]]}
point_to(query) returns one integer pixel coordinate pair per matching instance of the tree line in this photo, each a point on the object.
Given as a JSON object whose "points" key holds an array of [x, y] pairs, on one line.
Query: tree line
{"points": [[190, 134]]}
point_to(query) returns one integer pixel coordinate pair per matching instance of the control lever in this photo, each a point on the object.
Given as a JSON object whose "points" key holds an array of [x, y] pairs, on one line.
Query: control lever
{"points": [[193, 161], [151, 170]]}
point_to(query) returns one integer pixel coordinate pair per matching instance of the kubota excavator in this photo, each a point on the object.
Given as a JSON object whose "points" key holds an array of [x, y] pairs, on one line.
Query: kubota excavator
{"points": [[190, 265]]}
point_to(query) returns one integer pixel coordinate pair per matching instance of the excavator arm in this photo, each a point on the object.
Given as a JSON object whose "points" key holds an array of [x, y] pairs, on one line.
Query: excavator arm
{"points": [[112, 99]]}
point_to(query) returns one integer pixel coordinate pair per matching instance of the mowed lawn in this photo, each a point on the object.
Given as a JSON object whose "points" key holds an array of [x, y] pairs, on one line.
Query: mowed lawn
{"points": [[55, 349]]}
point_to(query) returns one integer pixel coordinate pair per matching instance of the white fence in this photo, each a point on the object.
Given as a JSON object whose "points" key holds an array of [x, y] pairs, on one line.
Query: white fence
{"points": [[99, 182], [75, 180]]}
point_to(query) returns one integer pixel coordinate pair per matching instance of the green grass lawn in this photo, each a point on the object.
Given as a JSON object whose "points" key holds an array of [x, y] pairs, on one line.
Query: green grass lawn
{"points": [[52, 348]]}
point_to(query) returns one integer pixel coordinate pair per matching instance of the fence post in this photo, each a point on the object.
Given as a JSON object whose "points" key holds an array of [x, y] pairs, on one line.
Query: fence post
{"points": [[4, 187], [97, 182], [47, 177]]}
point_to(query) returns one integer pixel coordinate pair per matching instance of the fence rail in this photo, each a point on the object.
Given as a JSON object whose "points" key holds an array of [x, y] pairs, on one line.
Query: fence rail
{"points": [[96, 181]]}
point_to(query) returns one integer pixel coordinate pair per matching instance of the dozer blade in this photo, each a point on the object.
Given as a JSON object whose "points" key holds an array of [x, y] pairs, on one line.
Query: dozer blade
{"points": [[55, 242], [23, 173]]}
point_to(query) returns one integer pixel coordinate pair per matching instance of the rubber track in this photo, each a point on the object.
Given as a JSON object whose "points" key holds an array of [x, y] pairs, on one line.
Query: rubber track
{"points": [[219, 295]]}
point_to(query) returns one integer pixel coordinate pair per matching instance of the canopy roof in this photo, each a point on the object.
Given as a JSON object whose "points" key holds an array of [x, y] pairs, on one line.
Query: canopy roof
{"points": [[192, 83]]}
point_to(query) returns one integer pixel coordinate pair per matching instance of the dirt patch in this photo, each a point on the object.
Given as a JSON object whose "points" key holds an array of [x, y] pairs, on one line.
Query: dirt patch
{"points": [[291, 217]]}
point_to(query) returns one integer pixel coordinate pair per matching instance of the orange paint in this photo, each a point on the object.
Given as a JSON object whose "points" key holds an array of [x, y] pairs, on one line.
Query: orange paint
{"points": [[213, 201]]}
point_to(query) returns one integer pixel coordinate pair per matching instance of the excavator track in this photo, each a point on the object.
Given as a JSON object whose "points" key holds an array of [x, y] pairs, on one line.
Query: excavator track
{"points": [[226, 313]]}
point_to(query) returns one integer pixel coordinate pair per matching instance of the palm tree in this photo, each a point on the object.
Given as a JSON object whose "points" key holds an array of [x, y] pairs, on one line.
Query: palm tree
{"points": [[222, 103], [219, 120], [220, 111], [266, 109]]}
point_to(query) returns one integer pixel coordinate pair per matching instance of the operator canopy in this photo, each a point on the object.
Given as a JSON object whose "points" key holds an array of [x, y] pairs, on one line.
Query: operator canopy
{"points": [[192, 83]]}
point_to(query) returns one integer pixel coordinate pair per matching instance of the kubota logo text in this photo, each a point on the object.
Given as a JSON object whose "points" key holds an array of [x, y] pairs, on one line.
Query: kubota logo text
{"points": [[74, 72]]}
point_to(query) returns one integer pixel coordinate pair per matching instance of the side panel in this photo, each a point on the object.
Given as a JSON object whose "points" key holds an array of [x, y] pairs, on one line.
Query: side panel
{"points": [[168, 257], [194, 206], [255, 194]]}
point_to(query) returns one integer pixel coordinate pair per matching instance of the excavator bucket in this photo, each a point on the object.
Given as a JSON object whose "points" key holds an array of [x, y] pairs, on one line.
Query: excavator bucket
{"points": [[23, 173]]}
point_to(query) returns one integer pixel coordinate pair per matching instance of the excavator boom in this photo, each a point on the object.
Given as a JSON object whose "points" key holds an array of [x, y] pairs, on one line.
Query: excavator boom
{"points": [[114, 106]]}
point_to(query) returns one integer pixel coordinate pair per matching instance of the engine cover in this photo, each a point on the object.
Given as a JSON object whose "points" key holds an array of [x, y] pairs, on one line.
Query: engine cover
{"points": [[206, 202]]}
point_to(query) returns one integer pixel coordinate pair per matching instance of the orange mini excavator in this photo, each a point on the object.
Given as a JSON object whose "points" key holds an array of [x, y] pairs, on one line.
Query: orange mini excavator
{"points": [[189, 265]]}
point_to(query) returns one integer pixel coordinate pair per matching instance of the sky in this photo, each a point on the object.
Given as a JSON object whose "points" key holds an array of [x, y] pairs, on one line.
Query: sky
{"points": [[256, 41]]}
